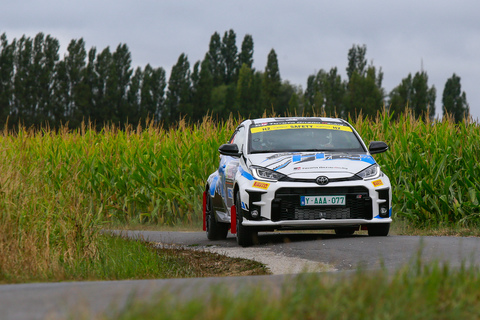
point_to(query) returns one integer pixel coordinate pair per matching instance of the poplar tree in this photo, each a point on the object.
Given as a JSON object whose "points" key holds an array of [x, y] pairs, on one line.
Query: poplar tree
{"points": [[178, 101], [246, 97], [152, 93], [325, 93], [271, 82], [414, 94], [120, 73], [216, 59], [68, 85], [7, 51], [246, 53], [454, 100], [202, 85], [364, 91], [230, 53]]}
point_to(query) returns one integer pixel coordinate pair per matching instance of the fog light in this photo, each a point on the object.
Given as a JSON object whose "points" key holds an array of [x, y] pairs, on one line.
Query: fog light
{"points": [[383, 211], [254, 213]]}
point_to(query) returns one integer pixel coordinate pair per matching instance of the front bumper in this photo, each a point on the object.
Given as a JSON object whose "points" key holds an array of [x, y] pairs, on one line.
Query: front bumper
{"points": [[278, 204]]}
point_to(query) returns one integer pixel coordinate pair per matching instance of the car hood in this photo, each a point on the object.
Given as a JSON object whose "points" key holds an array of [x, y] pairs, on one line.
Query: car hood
{"points": [[308, 164]]}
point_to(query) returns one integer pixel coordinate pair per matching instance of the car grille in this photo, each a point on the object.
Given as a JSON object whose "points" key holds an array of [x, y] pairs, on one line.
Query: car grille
{"points": [[286, 205]]}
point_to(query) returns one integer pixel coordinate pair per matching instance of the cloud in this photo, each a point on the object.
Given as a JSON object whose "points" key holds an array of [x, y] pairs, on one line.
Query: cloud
{"points": [[401, 37]]}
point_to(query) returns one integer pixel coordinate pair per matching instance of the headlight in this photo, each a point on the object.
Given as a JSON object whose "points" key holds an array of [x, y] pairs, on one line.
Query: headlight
{"points": [[260, 173], [371, 172]]}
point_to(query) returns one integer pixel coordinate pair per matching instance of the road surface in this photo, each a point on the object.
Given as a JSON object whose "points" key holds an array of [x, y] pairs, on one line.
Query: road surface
{"points": [[283, 253]]}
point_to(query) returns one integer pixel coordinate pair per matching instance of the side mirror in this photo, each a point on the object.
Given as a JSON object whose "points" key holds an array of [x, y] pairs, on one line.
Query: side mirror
{"points": [[229, 150], [377, 147]]}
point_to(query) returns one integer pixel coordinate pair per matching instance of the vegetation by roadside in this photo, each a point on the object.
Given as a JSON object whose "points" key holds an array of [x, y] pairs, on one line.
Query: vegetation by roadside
{"points": [[116, 258], [58, 189], [420, 291]]}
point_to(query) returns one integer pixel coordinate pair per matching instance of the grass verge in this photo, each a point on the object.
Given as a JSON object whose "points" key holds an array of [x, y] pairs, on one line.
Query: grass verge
{"points": [[419, 291], [119, 259]]}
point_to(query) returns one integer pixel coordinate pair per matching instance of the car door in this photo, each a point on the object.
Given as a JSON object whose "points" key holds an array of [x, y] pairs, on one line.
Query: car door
{"points": [[228, 169]]}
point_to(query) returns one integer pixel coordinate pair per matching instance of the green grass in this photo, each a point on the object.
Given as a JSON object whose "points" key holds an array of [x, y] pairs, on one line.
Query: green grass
{"points": [[58, 189], [417, 291]]}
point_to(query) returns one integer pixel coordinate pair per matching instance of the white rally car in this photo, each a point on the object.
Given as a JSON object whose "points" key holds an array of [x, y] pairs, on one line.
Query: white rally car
{"points": [[296, 173]]}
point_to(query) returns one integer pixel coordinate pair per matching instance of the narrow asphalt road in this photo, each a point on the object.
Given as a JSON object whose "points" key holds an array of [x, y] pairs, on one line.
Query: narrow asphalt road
{"points": [[329, 251], [283, 253]]}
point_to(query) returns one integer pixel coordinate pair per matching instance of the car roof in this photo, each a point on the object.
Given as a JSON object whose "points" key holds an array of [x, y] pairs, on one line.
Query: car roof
{"points": [[294, 119]]}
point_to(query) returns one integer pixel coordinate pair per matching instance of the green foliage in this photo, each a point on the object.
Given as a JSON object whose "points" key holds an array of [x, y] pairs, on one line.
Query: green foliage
{"points": [[246, 53], [59, 187], [432, 167], [272, 84], [454, 100], [325, 94], [421, 291], [413, 95]]}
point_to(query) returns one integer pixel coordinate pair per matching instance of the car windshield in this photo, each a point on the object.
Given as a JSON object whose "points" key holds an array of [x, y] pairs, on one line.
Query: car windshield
{"points": [[293, 137]]}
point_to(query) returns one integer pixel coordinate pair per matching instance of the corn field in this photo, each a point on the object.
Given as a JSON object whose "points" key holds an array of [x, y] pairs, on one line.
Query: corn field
{"points": [[58, 188]]}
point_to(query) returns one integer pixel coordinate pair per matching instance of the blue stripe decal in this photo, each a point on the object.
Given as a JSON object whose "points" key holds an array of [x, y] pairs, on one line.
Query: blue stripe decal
{"points": [[296, 158], [367, 159], [245, 174], [213, 185], [320, 156], [283, 166]]}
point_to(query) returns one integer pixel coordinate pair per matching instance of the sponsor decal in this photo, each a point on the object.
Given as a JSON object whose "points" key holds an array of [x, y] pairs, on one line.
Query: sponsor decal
{"points": [[301, 126], [230, 193], [377, 183], [261, 185]]}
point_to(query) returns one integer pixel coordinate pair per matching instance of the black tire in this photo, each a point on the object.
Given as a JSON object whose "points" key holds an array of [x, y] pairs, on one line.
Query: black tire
{"points": [[215, 230], [378, 229], [245, 236], [345, 231]]}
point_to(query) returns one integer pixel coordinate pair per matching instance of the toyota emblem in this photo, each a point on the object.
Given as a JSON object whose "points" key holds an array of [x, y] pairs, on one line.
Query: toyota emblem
{"points": [[322, 180]]}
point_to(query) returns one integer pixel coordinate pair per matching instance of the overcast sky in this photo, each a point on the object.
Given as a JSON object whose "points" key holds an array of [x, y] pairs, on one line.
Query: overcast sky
{"points": [[442, 36]]}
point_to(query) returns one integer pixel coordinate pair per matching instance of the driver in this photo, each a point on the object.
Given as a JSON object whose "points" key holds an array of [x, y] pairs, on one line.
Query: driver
{"points": [[325, 140]]}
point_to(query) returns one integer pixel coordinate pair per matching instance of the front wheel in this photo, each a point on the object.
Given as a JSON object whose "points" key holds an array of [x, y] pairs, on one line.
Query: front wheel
{"points": [[378, 229], [215, 230], [245, 235]]}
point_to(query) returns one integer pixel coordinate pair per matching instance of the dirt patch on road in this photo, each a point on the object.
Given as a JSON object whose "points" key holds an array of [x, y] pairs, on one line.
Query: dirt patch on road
{"points": [[210, 264]]}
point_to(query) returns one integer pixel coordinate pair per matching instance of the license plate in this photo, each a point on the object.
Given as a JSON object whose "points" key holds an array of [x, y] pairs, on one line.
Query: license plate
{"points": [[322, 200]]}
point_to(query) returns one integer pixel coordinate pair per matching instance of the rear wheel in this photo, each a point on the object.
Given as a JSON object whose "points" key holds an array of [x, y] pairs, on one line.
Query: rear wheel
{"points": [[245, 235], [215, 230], [378, 229]]}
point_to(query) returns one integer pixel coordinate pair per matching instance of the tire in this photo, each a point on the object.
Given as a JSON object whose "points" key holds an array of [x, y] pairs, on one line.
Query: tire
{"points": [[215, 230], [378, 229], [245, 236], [345, 231]]}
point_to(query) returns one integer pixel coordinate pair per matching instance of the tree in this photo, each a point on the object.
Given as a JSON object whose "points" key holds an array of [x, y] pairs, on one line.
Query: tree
{"points": [[356, 61], [216, 60], [68, 85], [202, 86], [35, 63], [119, 77], [7, 51], [229, 52], [415, 95], [325, 93], [178, 101], [246, 53], [103, 109], [454, 100], [247, 95], [146, 94], [271, 82], [364, 89], [364, 93]]}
